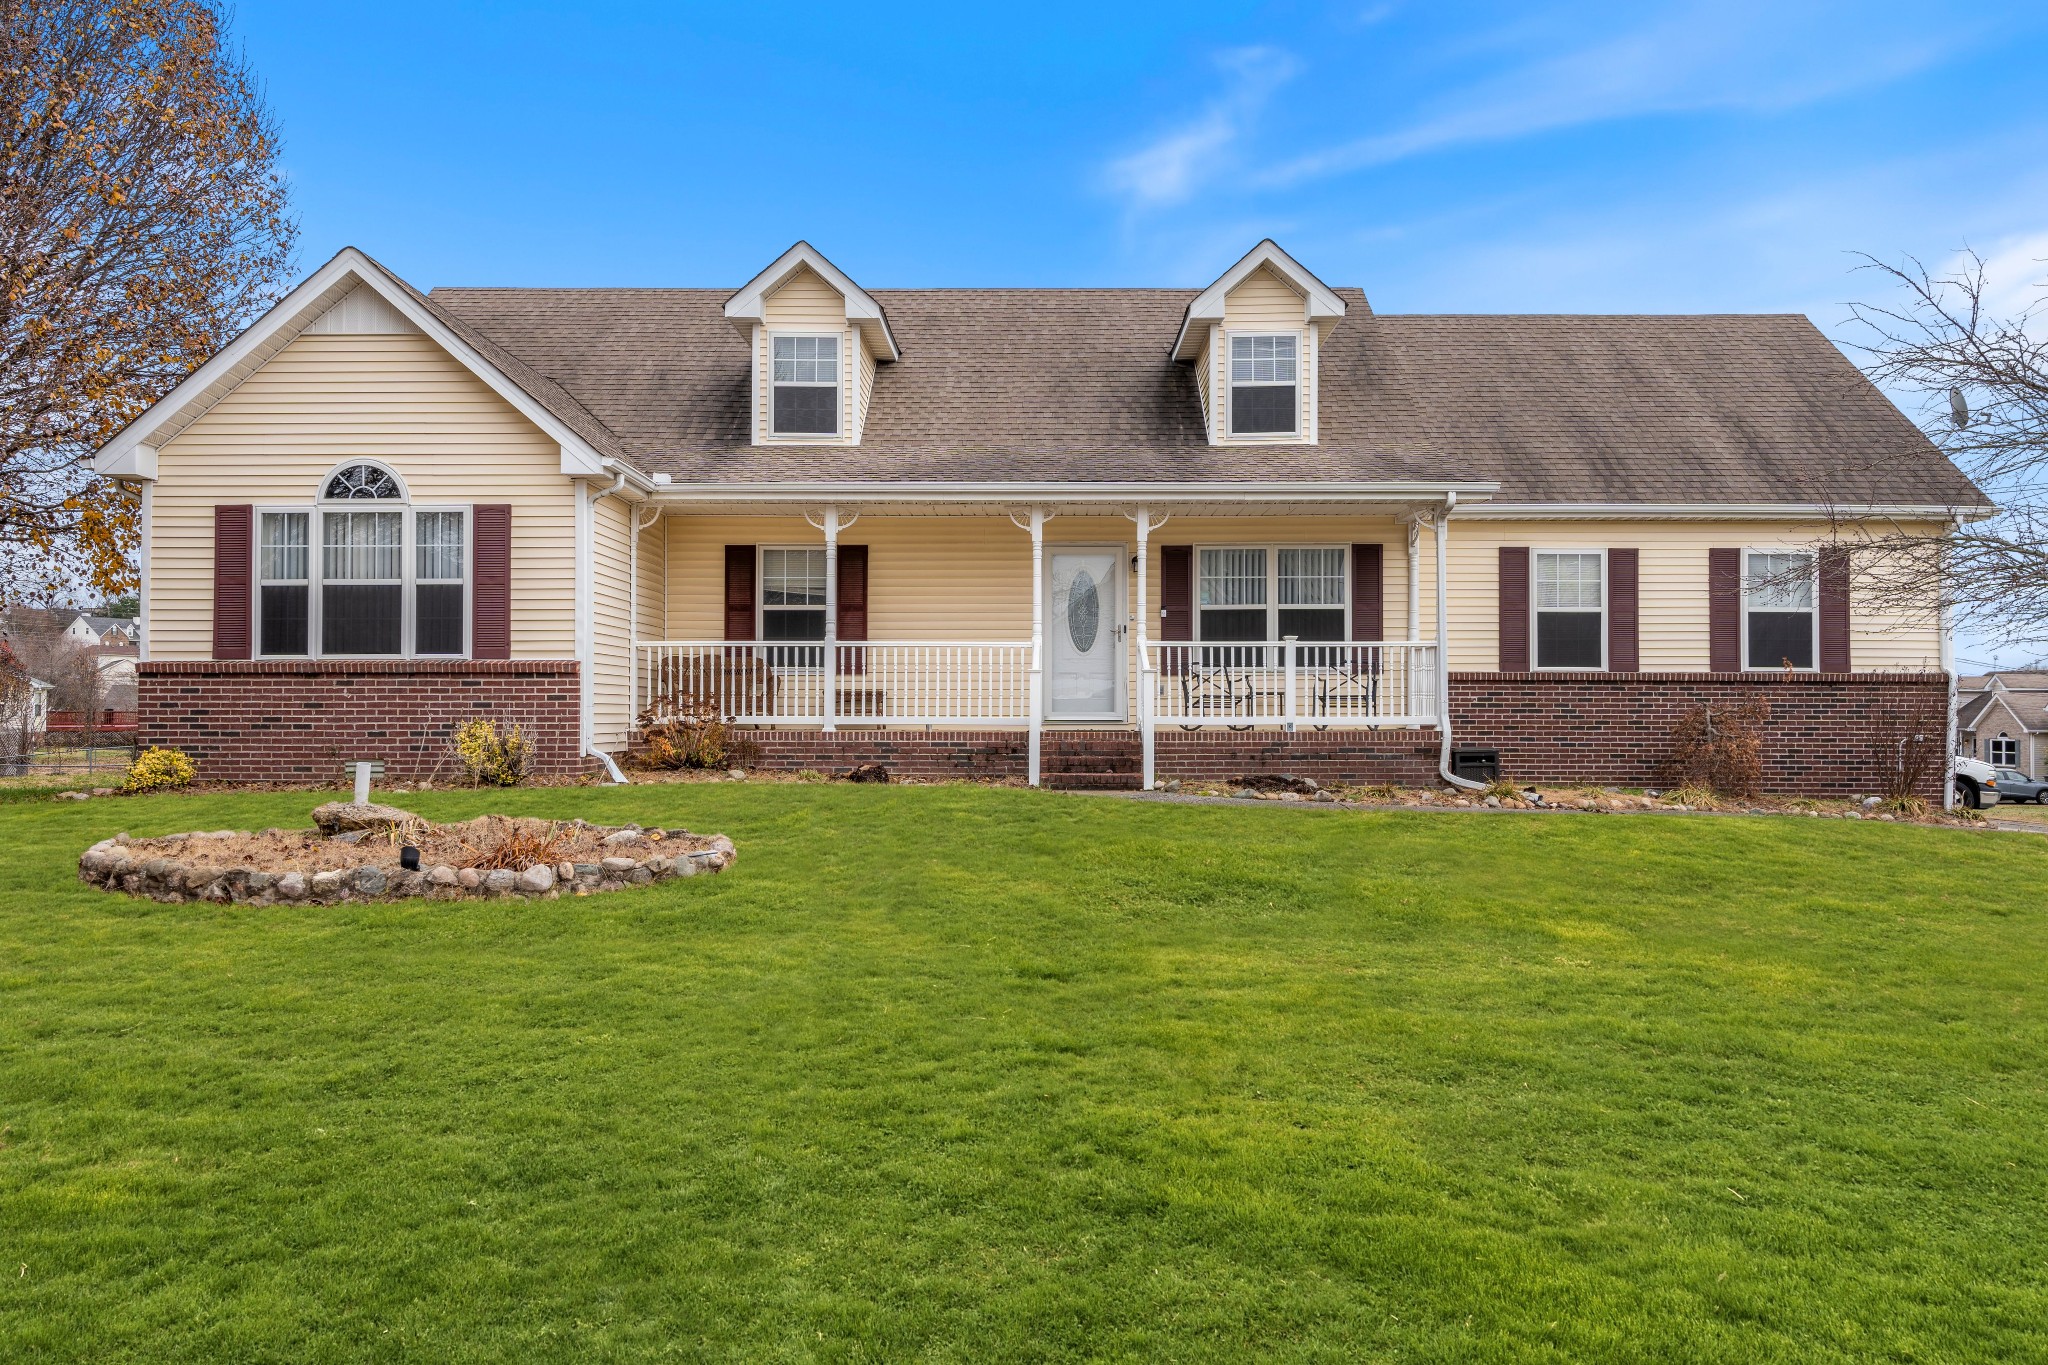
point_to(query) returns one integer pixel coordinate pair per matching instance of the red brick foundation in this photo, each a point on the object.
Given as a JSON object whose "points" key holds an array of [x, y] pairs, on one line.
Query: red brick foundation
{"points": [[1405, 757], [301, 720], [1830, 734], [931, 756]]}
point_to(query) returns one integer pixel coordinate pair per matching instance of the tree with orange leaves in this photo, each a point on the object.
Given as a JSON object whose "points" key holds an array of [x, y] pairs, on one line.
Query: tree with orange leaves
{"points": [[143, 222]]}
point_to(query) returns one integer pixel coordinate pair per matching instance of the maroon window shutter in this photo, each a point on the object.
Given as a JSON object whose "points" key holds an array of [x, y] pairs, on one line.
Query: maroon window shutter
{"points": [[1368, 593], [234, 560], [1623, 617], [1514, 609], [853, 605], [1176, 604], [1176, 592], [1834, 608], [1724, 611], [490, 595], [739, 592]]}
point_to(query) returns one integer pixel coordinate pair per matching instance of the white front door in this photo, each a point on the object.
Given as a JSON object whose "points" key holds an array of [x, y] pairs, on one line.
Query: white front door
{"points": [[1084, 635]]}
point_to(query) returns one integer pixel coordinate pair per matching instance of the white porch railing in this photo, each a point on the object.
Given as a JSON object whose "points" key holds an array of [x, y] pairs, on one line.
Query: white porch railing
{"points": [[1347, 685], [974, 683]]}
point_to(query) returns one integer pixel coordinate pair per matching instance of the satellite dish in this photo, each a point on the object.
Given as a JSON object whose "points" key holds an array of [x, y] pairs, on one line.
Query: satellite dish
{"points": [[1959, 408]]}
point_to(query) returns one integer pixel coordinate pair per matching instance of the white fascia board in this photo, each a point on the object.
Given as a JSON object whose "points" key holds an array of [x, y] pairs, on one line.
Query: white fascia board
{"points": [[134, 461], [684, 496], [289, 317], [745, 308], [1322, 301], [1722, 511]]}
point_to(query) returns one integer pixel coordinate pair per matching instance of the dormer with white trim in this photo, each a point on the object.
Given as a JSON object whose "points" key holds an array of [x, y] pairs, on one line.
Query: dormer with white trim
{"points": [[816, 338], [1254, 338]]}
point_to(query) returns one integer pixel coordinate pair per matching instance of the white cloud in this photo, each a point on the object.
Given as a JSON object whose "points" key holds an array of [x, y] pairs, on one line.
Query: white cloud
{"points": [[1713, 56], [1178, 163], [2015, 275]]}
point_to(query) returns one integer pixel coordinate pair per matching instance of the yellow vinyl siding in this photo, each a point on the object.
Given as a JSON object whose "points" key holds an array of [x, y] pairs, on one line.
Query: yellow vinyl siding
{"points": [[804, 300], [1205, 365], [611, 637], [1671, 589], [1263, 300], [864, 373], [325, 399]]}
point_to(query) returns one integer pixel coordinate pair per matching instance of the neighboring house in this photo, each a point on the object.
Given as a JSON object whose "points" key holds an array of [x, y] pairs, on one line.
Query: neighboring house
{"points": [[87, 629], [24, 722], [1083, 536], [2002, 718]]}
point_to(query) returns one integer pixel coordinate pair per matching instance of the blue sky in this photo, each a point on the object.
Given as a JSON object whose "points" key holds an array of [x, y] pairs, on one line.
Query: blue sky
{"points": [[1724, 156]]}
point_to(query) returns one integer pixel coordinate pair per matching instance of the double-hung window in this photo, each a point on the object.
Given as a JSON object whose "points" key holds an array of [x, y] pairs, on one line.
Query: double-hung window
{"points": [[1264, 385], [793, 603], [362, 583], [1571, 609], [806, 383], [2004, 751], [284, 583], [1778, 608], [362, 574], [1261, 594]]}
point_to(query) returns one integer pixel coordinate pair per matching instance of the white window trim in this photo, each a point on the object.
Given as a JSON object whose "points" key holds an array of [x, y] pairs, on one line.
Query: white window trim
{"points": [[1812, 612], [761, 610], [839, 422], [408, 565], [1535, 649], [1991, 749], [1272, 608], [1301, 362]]}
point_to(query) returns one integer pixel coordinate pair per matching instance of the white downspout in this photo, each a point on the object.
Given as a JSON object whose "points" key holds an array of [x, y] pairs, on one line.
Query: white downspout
{"points": [[142, 573], [586, 634], [1443, 647]]}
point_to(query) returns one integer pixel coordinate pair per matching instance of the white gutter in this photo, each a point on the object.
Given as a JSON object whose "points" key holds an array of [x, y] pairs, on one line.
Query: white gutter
{"points": [[586, 642], [1443, 648], [1013, 494], [1725, 511]]}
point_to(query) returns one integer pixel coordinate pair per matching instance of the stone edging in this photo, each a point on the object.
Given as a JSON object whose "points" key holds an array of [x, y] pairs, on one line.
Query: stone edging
{"points": [[111, 866]]}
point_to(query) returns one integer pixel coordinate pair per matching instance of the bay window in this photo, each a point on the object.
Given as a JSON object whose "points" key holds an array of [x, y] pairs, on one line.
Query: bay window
{"points": [[1778, 609], [362, 574], [1570, 604]]}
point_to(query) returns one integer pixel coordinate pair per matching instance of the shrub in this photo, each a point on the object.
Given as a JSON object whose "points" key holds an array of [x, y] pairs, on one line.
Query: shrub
{"points": [[160, 770], [493, 758], [687, 731], [1720, 748]]}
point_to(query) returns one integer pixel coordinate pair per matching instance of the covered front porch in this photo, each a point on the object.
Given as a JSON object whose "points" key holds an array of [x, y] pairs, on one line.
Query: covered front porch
{"points": [[1289, 615]]}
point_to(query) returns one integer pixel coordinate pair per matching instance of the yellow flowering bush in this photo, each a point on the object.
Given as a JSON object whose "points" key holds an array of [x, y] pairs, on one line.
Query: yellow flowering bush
{"points": [[159, 770], [491, 757]]}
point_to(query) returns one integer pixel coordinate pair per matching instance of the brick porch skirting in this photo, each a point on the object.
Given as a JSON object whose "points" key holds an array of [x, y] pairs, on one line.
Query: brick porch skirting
{"points": [[1405, 757], [1830, 734], [301, 720], [932, 756]]}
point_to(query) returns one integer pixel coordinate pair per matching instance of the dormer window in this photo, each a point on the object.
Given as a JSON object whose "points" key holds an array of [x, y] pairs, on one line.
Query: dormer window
{"points": [[1264, 384], [806, 385]]}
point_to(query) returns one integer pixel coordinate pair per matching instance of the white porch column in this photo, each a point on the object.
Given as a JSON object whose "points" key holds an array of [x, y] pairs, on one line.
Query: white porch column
{"points": [[830, 684], [1037, 637], [1414, 579], [1146, 685]]}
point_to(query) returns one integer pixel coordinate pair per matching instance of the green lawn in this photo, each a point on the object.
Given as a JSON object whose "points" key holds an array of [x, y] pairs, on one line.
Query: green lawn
{"points": [[946, 1073]]}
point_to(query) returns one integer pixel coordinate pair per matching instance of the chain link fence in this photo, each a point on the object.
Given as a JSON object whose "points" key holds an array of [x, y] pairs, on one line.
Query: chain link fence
{"points": [[107, 759]]}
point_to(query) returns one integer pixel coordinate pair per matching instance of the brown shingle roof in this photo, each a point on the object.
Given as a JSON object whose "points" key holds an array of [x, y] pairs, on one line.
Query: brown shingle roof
{"points": [[1076, 385]]}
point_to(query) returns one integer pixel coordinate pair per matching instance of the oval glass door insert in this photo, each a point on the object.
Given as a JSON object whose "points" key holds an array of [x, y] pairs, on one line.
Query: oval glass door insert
{"points": [[1084, 611]]}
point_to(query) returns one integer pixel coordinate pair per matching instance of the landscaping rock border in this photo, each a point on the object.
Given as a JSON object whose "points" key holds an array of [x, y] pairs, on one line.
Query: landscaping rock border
{"points": [[175, 869]]}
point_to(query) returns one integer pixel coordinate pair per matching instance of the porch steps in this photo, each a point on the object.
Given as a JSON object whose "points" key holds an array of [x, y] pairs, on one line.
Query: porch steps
{"points": [[1091, 761]]}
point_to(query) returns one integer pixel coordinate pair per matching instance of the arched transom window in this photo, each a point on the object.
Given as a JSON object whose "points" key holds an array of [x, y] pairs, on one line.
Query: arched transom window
{"points": [[377, 574], [362, 483]]}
